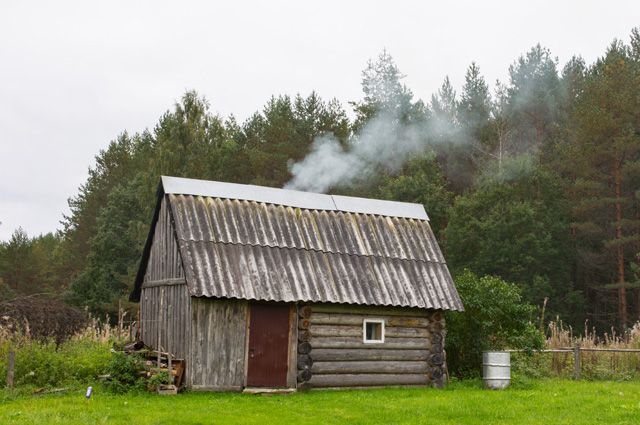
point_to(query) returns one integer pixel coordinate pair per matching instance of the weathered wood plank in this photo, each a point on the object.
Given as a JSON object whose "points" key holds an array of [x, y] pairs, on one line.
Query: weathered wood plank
{"points": [[351, 342], [359, 367], [393, 332], [366, 380], [341, 354], [293, 347], [165, 282], [218, 346], [216, 388], [164, 270], [356, 331], [369, 311], [164, 258], [156, 321], [334, 331], [356, 319], [408, 322]]}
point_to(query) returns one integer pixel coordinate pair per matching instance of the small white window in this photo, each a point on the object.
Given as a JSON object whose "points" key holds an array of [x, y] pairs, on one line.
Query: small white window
{"points": [[373, 331]]}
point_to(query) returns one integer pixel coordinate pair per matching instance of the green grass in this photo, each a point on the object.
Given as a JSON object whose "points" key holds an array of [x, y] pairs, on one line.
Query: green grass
{"points": [[538, 402]]}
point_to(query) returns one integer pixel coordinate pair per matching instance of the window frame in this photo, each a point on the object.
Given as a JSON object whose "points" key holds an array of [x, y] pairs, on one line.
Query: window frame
{"points": [[364, 331]]}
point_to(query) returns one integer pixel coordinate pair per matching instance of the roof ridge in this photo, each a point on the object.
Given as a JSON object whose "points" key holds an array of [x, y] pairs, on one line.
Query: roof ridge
{"points": [[294, 198]]}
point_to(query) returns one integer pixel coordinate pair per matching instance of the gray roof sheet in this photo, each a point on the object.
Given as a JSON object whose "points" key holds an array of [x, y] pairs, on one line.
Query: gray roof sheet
{"points": [[200, 218], [249, 244], [282, 274]]}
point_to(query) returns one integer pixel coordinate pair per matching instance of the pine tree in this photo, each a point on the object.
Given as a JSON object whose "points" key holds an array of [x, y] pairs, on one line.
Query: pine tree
{"points": [[384, 92], [532, 99], [605, 166], [474, 108]]}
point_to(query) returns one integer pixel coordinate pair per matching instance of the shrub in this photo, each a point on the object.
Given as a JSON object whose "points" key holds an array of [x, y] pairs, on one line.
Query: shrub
{"points": [[158, 379], [45, 364], [495, 318], [124, 373], [42, 318]]}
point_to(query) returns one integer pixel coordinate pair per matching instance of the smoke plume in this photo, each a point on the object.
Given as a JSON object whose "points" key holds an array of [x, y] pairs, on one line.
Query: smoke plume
{"points": [[384, 142]]}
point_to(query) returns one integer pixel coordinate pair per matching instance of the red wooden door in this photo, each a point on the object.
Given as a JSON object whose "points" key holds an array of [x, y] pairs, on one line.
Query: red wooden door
{"points": [[268, 345]]}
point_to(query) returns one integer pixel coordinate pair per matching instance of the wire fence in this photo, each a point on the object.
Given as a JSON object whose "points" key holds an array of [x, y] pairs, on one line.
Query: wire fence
{"points": [[578, 362]]}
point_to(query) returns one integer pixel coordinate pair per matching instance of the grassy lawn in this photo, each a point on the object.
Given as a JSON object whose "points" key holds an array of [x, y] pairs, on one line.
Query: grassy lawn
{"points": [[540, 402]]}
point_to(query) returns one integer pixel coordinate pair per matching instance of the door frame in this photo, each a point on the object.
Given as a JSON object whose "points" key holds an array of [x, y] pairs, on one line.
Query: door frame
{"points": [[292, 351]]}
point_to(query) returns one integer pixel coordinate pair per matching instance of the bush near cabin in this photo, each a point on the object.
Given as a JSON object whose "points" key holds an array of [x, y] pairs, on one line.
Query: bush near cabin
{"points": [[495, 318]]}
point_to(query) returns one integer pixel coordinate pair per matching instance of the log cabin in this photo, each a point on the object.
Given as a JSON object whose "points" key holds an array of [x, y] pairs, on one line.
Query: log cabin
{"points": [[258, 287]]}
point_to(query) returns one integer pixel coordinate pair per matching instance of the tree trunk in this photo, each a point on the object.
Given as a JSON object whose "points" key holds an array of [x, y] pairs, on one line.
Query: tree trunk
{"points": [[622, 290]]}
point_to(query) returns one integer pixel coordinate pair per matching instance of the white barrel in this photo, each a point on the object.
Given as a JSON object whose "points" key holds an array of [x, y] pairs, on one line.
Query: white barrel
{"points": [[496, 369]]}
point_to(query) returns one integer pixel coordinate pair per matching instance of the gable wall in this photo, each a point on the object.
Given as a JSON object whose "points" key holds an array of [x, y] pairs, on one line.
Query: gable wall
{"points": [[165, 303], [164, 257]]}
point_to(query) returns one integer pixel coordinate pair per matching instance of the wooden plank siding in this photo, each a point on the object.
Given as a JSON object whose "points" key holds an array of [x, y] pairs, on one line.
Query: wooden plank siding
{"points": [[217, 346], [164, 258], [169, 308], [340, 358], [165, 302]]}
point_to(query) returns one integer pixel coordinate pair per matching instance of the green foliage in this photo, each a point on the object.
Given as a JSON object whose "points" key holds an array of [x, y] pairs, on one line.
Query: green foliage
{"points": [[635, 269], [158, 379], [516, 225], [601, 162], [43, 364], [124, 373], [384, 91], [533, 99], [114, 252], [421, 182], [495, 318], [30, 265]]}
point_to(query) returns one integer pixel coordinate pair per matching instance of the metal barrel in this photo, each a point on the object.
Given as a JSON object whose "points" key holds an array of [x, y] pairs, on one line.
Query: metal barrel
{"points": [[496, 369]]}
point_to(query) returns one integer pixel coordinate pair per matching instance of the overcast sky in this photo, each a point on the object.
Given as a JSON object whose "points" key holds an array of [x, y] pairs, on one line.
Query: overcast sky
{"points": [[75, 74]]}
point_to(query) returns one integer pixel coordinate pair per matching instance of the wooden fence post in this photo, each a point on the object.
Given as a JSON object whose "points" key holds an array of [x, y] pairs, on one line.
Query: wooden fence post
{"points": [[169, 342], [10, 366], [577, 367]]}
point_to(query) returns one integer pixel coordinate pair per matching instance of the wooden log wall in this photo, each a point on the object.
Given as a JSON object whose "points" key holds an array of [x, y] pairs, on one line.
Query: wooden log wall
{"points": [[218, 339], [332, 353]]}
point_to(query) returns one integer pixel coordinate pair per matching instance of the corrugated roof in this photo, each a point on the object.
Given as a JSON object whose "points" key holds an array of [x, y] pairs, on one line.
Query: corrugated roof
{"points": [[283, 274], [200, 218], [274, 248]]}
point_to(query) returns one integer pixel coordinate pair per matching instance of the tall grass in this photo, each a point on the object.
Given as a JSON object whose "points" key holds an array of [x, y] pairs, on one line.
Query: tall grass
{"points": [[594, 364], [42, 364]]}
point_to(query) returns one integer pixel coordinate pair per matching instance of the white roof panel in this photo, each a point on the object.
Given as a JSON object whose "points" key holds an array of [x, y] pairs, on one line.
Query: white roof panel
{"points": [[292, 198], [379, 207]]}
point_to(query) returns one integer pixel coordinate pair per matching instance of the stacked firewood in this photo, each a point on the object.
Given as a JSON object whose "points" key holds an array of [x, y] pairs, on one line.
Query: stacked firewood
{"points": [[157, 362]]}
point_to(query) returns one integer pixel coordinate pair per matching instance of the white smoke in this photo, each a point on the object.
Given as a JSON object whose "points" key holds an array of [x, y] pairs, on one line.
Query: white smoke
{"points": [[383, 143]]}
